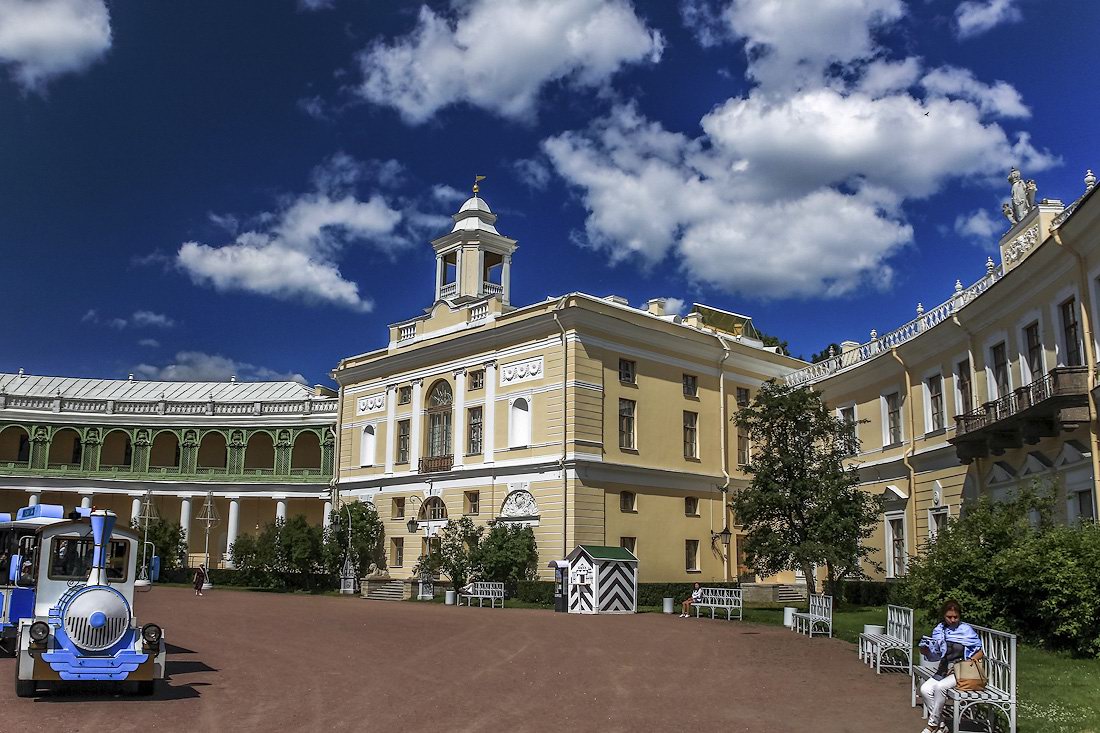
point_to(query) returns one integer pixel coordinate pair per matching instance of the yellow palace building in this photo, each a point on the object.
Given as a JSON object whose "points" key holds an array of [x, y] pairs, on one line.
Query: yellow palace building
{"points": [[994, 388], [589, 420]]}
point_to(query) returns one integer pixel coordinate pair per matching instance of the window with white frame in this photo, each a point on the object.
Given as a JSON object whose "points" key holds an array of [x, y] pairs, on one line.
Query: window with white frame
{"points": [[628, 371], [892, 423], [998, 361], [519, 423], [628, 501], [690, 383], [630, 544], [367, 446], [691, 555], [896, 545], [937, 520], [1081, 506], [627, 438], [691, 448], [397, 552], [742, 449], [1071, 338], [474, 431], [691, 506], [477, 380], [1033, 351], [934, 390], [964, 385]]}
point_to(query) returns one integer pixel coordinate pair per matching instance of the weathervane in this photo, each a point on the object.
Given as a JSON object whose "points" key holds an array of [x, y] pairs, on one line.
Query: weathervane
{"points": [[477, 179]]}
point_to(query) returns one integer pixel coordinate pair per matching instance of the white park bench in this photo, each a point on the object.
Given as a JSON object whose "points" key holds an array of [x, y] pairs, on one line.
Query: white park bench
{"points": [[820, 616], [482, 590], [715, 598], [887, 650], [999, 650]]}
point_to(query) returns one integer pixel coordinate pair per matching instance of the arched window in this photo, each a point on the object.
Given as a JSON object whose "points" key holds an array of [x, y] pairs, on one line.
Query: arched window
{"points": [[440, 399], [66, 448], [519, 423], [165, 452], [15, 445], [433, 509], [259, 454], [306, 453], [366, 447], [117, 452], [213, 452]]}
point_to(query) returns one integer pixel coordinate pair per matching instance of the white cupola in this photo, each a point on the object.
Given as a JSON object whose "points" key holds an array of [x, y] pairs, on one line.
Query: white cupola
{"points": [[474, 260]]}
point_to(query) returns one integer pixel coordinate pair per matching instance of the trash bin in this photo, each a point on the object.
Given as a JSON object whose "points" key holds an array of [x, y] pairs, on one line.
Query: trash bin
{"points": [[449, 600], [788, 616], [669, 604], [873, 629]]}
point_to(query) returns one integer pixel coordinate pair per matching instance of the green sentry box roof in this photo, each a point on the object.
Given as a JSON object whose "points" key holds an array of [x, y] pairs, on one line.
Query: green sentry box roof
{"points": [[601, 552]]}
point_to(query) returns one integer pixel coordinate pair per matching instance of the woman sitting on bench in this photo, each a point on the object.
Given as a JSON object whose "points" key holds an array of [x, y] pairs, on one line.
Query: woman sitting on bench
{"points": [[696, 594], [951, 641]]}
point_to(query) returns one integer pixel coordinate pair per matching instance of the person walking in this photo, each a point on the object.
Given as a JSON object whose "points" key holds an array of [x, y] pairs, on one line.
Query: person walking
{"points": [[201, 575], [951, 641], [696, 594]]}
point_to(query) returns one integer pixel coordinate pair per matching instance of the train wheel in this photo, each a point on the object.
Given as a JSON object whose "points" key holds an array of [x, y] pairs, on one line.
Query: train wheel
{"points": [[25, 688]]}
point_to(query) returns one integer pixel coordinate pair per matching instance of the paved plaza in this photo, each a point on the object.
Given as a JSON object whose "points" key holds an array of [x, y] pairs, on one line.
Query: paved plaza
{"points": [[243, 661]]}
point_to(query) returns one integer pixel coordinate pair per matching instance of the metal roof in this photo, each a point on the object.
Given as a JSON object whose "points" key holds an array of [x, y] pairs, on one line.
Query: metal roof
{"points": [[137, 389], [603, 552]]}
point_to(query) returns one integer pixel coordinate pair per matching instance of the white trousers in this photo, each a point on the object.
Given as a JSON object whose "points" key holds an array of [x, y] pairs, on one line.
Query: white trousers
{"points": [[934, 693]]}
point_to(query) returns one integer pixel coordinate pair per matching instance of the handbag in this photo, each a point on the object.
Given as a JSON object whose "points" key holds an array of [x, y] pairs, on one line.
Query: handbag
{"points": [[969, 674]]}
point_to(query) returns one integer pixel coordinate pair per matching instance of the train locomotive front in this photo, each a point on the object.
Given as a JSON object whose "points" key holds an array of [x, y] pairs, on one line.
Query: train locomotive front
{"points": [[84, 628]]}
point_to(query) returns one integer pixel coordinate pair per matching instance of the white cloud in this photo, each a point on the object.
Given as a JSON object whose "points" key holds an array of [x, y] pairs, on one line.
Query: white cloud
{"points": [[675, 306], [92, 316], [979, 226], [533, 172], [799, 187], [43, 39], [706, 20], [196, 366], [149, 318], [293, 253], [999, 99], [448, 195], [119, 323], [499, 54], [975, 17], [149, 343], [316, 4]]}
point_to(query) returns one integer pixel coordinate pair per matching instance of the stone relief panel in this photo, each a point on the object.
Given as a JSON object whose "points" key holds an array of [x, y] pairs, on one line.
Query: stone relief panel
{"points": [[1022, 244], [371, 403], [521, 371], [519, 506]]}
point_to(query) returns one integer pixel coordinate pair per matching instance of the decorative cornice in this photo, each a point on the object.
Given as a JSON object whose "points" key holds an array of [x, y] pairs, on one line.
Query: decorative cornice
{"points": [[521, 371], [1022, 244], [373, 403]]}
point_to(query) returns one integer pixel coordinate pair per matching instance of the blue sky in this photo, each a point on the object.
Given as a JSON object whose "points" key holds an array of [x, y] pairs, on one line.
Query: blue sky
{"points": [[190, 190]]}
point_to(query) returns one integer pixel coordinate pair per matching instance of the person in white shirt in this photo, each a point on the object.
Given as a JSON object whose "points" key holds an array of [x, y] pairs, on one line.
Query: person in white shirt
{"points": [[696, 594]]}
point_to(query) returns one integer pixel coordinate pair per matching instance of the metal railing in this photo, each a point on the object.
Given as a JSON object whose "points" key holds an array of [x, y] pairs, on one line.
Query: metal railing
{"points": [[491, 289], [435, 464], [1058, 382]]}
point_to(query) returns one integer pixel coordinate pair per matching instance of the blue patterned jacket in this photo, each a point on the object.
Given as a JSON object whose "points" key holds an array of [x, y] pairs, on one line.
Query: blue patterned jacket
{"points": [[963, 634]]}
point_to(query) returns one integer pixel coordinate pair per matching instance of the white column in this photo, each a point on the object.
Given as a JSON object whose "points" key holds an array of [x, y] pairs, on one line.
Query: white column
{"points": [[460, 417], [185, 516], [33, 500], [458, 273], [328, 514], [232, 526], [489, 419], [280, 509], [86, 501], [135, 509], [438, 275], [506, 279], [415, 426], [391, 425]]}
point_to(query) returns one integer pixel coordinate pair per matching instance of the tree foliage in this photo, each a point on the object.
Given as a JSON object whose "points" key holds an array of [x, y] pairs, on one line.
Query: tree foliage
{"points": [[367, 538], [292, 546], [803, 507], [168, 539], [457, 552], [769, 340], [824, 353], [508, 554]]}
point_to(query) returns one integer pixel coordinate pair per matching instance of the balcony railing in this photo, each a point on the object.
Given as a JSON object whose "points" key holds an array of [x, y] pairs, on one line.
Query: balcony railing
{"points": [[448, 290], [491, 289], [406, 333], [479, 312], [435, 464], [1056, 401]]}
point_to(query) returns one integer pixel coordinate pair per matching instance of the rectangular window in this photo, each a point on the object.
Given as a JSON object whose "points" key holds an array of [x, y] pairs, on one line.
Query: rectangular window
{"points": [[690, 421], [477, 379], [402, 441], [742, 449], [629, 543], [397, 552], [71, 559], [628, 371], [404, 395], [742, 396], [1034, 351], [691, 506], [691, 555], [965, 387], [1069, 331], [848, 414], [691, 385], [472, 502], [626, 424], [893, 418], [474, 431], [935, 403], [397, 508], [895, 543], [999, 359], [628, 501], [1083, 500], [937, 520]]}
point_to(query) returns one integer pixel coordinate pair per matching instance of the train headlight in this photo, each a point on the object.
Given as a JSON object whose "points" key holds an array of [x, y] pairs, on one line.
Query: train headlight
{"points": [[151, 634], [40, 631]]}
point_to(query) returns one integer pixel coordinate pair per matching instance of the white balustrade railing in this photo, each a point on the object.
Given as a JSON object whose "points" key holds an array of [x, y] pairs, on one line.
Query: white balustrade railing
{"points": [[912, 329], [479, 312], [448, 290], [156, 407], [407, 332], [488, 288]]}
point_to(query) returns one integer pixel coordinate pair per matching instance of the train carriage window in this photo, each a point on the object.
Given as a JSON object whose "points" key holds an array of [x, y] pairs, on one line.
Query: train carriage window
{"points": [[71, 559]]}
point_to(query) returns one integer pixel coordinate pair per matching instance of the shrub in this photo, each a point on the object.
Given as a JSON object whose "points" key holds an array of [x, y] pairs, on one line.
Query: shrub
{"points": [[508, 554], [535, 591]]}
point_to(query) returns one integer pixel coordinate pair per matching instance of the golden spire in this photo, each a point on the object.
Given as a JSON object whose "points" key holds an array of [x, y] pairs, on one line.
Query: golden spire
{"points": [[477, 179]]}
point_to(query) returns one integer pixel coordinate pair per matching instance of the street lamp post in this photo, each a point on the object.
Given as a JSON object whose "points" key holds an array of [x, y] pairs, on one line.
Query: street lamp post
{"points": [[347, 571], [210, 518], [426, 591]]}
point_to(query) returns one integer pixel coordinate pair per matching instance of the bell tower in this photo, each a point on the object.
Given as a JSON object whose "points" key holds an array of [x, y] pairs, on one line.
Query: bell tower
{"points": [[474, 260]]}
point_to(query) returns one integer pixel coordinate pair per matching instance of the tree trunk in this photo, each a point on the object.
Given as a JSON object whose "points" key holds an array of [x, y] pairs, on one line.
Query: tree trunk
{"points": [[811, 578]]}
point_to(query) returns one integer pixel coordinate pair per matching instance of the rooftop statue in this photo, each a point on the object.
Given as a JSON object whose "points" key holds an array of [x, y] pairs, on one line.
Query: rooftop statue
{"points": [[1023, 196]]}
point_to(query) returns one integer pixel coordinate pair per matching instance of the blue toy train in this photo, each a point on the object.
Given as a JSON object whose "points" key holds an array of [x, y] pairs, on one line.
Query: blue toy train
{"points": [[68, 598]]}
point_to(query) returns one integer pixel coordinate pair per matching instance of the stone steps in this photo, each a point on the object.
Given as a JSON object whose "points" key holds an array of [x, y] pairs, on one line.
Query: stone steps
{"points": [[385, 590], [791, 593]]}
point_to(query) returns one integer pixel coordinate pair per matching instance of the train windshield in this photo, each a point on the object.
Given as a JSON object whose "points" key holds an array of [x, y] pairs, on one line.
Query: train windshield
{"points": [[71, 559], [19, 541]]}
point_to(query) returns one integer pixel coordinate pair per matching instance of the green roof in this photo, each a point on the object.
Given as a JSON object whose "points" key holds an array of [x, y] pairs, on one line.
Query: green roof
{"points": [[600, 552]]}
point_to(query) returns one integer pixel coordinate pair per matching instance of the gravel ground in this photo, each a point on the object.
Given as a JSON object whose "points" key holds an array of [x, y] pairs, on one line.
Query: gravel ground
{"points": [[243, 661]]}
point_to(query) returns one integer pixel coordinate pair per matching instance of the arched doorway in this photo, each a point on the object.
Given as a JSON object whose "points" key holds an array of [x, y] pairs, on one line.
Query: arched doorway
{"points": [[15, 446], [213, 455], [259, 454], [117, 453], [66, 450], [165, 452], [305, 457]]}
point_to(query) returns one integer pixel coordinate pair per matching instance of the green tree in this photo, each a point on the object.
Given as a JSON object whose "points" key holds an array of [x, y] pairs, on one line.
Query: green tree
{"points": [[293, 546], [367, 538], [168, 541], [824, 353], [803, 508], [456, 556], [508, 554], [769, 340]]}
